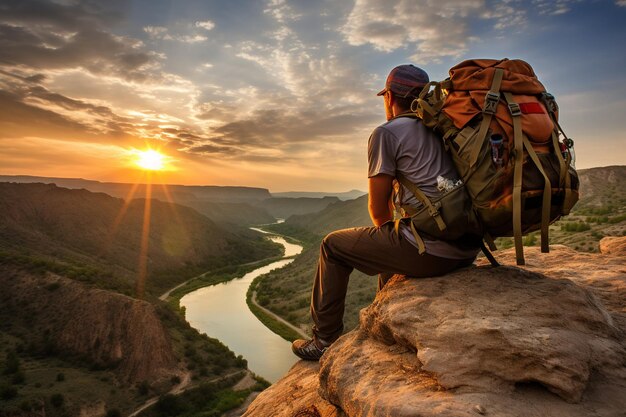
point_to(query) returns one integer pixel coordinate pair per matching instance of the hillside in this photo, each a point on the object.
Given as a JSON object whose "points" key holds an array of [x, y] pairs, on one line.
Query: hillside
{"points": [[221, 204], [67, 349], [600, 212], [283, 208], [102, 232]]}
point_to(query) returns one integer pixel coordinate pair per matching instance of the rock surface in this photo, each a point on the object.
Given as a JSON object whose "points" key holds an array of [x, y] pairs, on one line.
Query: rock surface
{"points": [[296, 394], [481, 341], [612, 245]]}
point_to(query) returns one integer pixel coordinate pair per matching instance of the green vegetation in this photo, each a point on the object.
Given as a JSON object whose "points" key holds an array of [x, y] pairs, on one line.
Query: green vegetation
{"points": [[42, 264], [270, 322], [103, 249], [205, 400], [287, 293], [253, 252], [575, 227], [218, 276], [289, 231]]}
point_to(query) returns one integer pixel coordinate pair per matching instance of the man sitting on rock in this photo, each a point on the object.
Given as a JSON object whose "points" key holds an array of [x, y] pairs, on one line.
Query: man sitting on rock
{"points": [[401, 145]]}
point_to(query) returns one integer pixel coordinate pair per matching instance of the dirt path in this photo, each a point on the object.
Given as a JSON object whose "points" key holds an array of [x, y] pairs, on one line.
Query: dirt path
{"points": [[184, 385], [277, 317]]}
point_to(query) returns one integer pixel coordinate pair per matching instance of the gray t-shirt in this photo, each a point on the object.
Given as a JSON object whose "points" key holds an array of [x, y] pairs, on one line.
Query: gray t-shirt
{"points": [[405, 145]]}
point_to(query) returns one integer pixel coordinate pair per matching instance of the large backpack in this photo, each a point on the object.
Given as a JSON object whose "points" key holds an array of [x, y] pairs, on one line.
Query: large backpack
{"points": [[501, 128]]}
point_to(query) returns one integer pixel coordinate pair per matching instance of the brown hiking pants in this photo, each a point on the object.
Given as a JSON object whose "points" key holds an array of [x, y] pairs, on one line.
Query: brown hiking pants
{"points": [[371, 250]]}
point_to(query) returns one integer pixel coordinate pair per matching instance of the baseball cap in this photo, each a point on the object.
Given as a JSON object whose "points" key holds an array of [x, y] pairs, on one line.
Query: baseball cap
{"points": [[405, 80]]}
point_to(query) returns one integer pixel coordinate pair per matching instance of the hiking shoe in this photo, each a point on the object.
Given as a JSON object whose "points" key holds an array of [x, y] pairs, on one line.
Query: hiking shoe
{"points": [[308, 349]]}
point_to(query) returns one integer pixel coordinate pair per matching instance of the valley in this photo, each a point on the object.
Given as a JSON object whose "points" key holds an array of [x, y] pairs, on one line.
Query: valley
{"points": [[78, 337]]}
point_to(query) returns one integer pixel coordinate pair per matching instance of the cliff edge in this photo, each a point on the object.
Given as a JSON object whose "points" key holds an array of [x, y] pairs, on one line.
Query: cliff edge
{"points": [[546, 340]]}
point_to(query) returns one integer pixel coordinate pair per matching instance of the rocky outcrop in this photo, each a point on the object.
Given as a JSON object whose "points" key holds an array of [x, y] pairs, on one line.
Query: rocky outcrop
{"points": [[99, 327], [613, 246], [480, 341]]}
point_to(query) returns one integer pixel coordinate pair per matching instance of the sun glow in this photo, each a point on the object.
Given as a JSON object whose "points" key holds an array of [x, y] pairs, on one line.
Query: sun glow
{"points": [[150, 160]]}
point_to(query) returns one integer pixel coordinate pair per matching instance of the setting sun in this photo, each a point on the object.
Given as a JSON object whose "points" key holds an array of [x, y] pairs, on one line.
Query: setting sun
{"points": [[150, 160]]}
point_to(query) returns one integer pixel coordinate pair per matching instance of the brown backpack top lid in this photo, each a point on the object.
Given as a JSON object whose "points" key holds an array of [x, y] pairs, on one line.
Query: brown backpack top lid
{"points": [[472, 79], [477, 74]]}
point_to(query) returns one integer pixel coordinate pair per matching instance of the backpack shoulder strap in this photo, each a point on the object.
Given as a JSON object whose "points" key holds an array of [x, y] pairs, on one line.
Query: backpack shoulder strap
{"points": [[492, 99]]}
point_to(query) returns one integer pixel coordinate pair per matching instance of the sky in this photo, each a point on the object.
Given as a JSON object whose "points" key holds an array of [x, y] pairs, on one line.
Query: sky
{"points": [[279, 94]]}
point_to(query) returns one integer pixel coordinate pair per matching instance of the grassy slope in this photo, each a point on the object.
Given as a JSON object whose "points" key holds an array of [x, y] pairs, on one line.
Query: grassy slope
{"points": [[78, 227]]}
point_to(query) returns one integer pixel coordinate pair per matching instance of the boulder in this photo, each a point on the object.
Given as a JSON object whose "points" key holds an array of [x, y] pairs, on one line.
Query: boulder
{"points": [[613, 245], [489, 341]]}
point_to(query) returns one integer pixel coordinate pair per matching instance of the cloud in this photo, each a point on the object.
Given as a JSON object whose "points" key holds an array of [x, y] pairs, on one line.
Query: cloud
{"points": [[160, 32], [310, 96], [46, 35], [621, 3], [432, 29], [554, 7], [206, 25]]}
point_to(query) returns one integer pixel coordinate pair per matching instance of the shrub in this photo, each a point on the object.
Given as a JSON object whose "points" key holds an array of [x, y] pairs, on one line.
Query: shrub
{"points": [[169, 405], [8, 392], [18, 378], [60, 377], [575, 227], [12, 363], [143, 388], [57, 400]]}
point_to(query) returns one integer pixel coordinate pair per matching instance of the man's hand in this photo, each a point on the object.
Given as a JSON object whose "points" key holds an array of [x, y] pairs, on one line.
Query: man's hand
{"points": [[380, 189]]}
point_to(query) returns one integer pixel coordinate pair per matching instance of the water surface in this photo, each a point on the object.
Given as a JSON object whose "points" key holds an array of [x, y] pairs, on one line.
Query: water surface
{"points": [[221, 312]]}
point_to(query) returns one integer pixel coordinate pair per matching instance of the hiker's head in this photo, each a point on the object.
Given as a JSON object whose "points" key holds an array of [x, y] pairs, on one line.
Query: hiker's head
{"points": [[403, 85]]}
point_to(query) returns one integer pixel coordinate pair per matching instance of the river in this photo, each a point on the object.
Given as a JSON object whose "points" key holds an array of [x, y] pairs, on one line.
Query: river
{"points": [[221, 312]]}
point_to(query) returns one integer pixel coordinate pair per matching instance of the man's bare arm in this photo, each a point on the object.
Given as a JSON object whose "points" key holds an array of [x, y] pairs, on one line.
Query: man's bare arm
{"points": [[380, 189]]}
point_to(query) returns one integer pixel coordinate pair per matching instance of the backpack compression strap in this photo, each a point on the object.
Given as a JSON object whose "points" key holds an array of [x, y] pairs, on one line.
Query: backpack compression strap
{"points": [[547, 190], [564, 177]]}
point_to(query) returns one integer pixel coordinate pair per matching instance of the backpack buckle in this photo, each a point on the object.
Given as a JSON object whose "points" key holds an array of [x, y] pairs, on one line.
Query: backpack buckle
{"points": [[434, 211], [515, 109], [491, 102]]}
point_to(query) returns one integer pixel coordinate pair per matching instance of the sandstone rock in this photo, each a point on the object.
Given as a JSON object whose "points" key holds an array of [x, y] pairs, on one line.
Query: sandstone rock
{"points": [[480, 341], [613, 245], [296, 392], [603, 274]]}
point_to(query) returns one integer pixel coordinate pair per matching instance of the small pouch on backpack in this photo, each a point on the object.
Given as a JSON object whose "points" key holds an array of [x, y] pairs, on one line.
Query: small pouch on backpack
{"points": [[454, 207]]}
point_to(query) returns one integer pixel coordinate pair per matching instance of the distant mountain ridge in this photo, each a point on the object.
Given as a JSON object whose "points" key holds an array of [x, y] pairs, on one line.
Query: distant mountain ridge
{"points": [[212, 193], [283, 207], [243, 206], [348, 195]]}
